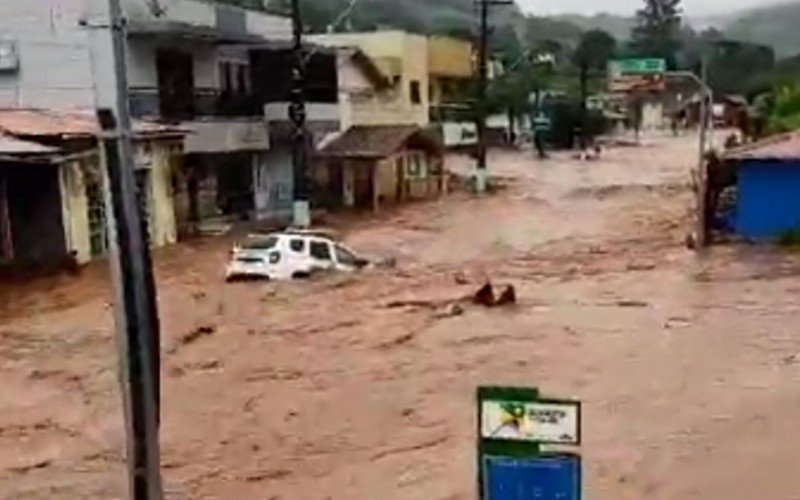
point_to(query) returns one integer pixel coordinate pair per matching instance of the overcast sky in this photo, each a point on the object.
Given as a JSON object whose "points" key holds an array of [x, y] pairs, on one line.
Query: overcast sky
{"points": [[625, 7]]}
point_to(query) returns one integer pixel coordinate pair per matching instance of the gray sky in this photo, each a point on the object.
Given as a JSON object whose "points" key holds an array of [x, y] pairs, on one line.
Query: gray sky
{"points": [[692, 7]]}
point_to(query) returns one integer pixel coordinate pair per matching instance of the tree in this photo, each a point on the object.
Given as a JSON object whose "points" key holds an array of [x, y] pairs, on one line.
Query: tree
{"points": [[594, 51], [658, 30]]}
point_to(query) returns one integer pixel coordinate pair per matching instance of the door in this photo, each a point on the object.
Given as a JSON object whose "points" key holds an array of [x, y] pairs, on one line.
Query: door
{"points": [[337, 187], [175, 71], [321, 255]]}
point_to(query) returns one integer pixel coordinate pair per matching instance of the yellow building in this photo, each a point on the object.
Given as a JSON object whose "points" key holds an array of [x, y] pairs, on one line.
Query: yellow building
{"points": [[402, 59], [451, 67]]}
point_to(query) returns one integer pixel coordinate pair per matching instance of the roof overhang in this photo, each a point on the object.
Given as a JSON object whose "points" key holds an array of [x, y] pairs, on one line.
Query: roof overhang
{"points": [[176, 30]]}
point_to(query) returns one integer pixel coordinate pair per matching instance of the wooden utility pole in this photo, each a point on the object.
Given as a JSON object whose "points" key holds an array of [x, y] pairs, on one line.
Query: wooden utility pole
{"points": [[297, 114], [135, 296], [483, 83]]}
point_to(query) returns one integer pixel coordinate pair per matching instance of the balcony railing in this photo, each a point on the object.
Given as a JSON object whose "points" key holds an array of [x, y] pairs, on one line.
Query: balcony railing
{"points": [[193, 105]]}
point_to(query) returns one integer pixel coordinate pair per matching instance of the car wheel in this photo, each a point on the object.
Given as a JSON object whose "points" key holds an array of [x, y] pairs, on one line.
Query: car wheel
{"points": [[301, 275]]}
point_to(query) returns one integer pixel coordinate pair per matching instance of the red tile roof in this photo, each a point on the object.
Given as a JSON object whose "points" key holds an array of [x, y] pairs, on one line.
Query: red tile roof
{"points": [[68, 124]]}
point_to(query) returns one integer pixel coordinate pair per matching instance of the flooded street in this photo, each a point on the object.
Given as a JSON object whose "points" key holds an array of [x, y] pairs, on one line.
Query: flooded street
{"points": [[360, 387]]}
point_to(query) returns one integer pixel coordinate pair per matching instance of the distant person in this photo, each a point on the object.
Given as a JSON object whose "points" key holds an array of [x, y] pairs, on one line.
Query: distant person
{"points": [[541, 125]]}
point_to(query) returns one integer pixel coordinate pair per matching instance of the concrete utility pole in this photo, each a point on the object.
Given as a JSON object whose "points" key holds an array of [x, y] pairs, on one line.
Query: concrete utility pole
{"points": [[135, 296], [297, 113], [706, 139], [483, 83]]}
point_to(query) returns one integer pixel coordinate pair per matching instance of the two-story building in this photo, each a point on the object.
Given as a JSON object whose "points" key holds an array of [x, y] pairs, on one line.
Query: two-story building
{"points": [[385, 152], [451, 68], [220, 72]]}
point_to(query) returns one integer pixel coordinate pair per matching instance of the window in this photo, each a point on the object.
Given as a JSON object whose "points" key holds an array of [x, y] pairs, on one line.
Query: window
{"points": [[320, 250], [416, 95], [344, 256], [297, 246]]}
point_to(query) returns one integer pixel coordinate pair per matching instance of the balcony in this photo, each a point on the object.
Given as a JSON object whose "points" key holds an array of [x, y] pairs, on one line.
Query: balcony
{"points": [[146, 103]]}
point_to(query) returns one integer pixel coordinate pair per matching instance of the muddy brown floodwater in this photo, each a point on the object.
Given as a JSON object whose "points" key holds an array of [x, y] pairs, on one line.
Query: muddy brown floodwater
{"points": [[688, 367]]}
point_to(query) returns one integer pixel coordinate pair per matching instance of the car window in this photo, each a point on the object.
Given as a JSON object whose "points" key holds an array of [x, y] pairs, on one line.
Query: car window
{"points": [[320, 250], [297, 246], [346, 257], [266, 243]]}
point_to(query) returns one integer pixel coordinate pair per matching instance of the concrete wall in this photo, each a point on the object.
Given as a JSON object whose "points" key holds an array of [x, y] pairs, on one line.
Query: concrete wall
{"points": [[55, 67], [159, 159], [226, 135], [75, 210], [274, 182], [163, 227], [56, 54]]}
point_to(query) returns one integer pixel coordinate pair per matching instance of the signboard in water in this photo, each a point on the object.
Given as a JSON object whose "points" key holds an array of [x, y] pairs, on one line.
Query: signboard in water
{"points": [[544, 422], [555, 477]]}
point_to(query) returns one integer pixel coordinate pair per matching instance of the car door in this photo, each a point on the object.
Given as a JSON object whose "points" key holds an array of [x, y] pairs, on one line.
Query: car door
{"points": [[321, 254], [297, 252]]}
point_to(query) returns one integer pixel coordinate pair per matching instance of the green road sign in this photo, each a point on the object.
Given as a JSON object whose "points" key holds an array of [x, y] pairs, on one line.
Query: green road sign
{"points": [[643, 66]]}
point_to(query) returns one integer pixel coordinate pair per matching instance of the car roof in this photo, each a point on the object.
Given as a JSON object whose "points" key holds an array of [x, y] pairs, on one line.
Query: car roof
{"points": [[294, 234]]}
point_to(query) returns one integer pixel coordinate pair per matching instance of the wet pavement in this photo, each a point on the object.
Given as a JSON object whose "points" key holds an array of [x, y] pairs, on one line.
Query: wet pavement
{"points": [[688, 366]]}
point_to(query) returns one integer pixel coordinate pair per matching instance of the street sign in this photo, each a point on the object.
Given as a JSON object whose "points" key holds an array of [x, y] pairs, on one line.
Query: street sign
{"points": [[547, 477], [514, 423], [642, 66], [542, 421]]}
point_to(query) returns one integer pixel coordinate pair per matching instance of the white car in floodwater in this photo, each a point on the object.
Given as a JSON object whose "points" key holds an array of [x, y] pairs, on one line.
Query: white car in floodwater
{"points": [[289, 255]]}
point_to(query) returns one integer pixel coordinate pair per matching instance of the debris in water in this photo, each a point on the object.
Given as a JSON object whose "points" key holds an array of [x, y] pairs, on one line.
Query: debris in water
{"points": [[450, 311], [508, 297], [197, 333], [632, 303], [485, 296]]}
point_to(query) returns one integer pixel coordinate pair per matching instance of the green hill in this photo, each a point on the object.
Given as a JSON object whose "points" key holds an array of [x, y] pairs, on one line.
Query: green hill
{"points": [[454, 17], [776, 26], [618, 26]]}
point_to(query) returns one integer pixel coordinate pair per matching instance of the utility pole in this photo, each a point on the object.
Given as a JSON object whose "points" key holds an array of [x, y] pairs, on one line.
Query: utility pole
{"points": [[136, 312], [706, 106], [483, 83], [297, 113], [706, 130]]}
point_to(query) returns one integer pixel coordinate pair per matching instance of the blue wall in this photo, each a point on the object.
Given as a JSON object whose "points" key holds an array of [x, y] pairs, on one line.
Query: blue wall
{"points": [[768, 199]]}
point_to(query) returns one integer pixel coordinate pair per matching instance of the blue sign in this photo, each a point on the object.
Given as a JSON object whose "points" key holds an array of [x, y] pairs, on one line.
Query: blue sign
{"points": [[553, 477]]}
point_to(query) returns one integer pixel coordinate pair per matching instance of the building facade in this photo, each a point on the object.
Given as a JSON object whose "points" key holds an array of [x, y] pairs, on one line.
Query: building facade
{"points": [[220, 72], [52, 201], [402, 59]]}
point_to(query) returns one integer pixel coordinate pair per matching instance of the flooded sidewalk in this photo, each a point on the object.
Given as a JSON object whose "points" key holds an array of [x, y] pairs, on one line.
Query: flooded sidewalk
{"points": [[351, 387]]}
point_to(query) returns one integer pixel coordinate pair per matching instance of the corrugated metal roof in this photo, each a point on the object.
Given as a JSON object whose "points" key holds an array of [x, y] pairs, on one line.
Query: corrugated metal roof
{"points": [[13, 146], [67, 124], [781, 147]]}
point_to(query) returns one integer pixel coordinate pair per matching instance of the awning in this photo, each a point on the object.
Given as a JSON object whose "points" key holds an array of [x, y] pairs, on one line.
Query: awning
{"points": [[376, 142]]}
